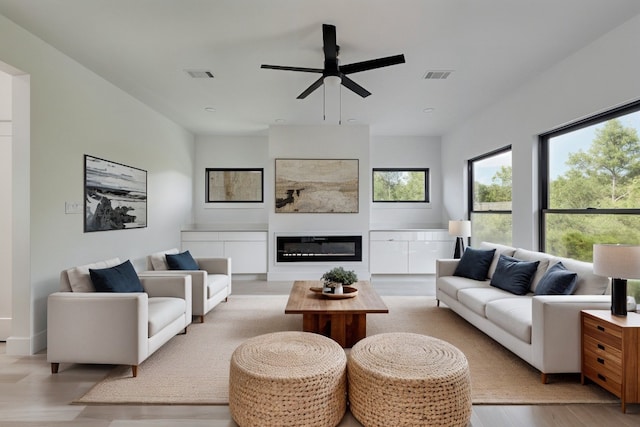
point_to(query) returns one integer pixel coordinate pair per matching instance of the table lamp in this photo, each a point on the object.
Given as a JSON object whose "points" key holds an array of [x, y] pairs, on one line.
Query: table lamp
{"points": [[619, 262], [461, 229]]}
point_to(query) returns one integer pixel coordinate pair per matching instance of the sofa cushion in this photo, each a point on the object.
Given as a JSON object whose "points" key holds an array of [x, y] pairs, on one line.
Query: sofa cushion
{"points": [[79, 278], [476, 299], [545, 260], [163, 311], [514, 275], [158, 260], [450, 285], [474, 263], [587, 283], [119, 278], [514, 315], [557, 281], [500, 249], [181, 261]]}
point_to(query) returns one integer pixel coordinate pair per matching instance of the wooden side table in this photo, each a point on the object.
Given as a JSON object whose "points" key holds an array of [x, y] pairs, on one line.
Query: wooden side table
{"points": [[610, 352]]}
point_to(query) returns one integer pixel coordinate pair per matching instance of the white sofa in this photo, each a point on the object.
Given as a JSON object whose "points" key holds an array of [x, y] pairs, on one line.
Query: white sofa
{"points": [[84, 326], [543, 330], [211, 283]]}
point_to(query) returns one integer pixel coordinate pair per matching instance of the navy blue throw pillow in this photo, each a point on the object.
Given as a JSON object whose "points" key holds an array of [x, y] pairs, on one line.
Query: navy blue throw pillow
{"points": [[474, 263], [557, 281], [120, 278], [514, 275], [183, 261]]}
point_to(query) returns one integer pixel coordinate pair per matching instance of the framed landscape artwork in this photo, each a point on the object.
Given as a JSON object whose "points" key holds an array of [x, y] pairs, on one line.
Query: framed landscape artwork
{"points": [[316, 185], [234, 185], [115, 196]]}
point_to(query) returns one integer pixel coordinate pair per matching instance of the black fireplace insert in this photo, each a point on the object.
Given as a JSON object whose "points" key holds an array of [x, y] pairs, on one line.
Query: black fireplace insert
{"points": [[318, 248]]}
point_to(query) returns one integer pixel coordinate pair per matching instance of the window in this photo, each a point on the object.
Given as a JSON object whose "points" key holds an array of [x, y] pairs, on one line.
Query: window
{"points": [[401, 185], [490, 197], [590, 185]]}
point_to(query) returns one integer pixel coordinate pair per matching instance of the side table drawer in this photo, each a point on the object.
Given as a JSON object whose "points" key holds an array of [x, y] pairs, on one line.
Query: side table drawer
{"points": [[610, 354], [603, 332], [603, 381]]}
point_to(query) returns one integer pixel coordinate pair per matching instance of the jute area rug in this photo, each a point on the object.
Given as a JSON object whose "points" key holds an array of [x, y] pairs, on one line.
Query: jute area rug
{"points": [[193, 369]]}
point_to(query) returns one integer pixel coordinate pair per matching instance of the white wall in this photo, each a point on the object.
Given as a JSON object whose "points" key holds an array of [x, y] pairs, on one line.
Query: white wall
{"points": [[600, 76], [408, 152], [230, 152], [6, 208], [75, 112]]}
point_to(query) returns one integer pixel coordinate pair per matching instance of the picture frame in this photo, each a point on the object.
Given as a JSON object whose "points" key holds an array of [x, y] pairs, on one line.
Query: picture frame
{"points": [[115, 195], [234, 185], [316, 185]]}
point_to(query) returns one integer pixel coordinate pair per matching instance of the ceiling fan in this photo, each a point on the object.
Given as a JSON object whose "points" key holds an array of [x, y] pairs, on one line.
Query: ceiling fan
{"points": [[332, 71]]}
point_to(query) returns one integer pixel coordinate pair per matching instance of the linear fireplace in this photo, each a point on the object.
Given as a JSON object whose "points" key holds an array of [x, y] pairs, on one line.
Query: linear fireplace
{"points": [[318, 248]]}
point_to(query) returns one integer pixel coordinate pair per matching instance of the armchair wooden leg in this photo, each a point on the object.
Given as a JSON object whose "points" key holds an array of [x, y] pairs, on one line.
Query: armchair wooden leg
{"points": [[437, 303], [202, 319], [544, 378], [134, 370], [54, 368]]}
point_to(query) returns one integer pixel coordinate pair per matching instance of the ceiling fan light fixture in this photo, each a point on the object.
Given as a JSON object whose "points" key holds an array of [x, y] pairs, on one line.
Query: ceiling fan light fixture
{"points": [[334, 81]]}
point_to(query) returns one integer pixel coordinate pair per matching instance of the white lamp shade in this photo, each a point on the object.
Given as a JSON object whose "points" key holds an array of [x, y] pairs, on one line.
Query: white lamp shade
{"points": [[333, 81], [460, 228], [616, 261]]}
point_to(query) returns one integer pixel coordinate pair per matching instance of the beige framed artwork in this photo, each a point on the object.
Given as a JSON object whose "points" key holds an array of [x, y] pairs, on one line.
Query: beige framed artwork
{"points": [[316, 185], [226, 185]]}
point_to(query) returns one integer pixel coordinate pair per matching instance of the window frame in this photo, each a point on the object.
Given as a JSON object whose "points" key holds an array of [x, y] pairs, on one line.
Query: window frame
{"points": [[427, 180], [470, 185], [543, 168]]}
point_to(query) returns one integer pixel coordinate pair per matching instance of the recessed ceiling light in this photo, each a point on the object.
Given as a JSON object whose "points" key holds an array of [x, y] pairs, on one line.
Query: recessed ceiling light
{"points": [[352, 120], [428, 110], [279, 120], [210, 109]]}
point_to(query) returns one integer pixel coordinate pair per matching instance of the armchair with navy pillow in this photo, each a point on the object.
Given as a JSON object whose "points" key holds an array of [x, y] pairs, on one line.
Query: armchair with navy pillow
{"points": [[210, 277]]}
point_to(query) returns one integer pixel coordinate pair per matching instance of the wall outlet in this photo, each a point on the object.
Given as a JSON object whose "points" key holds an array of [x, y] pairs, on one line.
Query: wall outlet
{"points": [[73, 207]]}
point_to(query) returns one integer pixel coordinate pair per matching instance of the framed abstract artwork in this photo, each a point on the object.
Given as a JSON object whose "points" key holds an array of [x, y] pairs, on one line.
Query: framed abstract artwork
{"points": [[234, 185], [316, 185], [115, 196]]}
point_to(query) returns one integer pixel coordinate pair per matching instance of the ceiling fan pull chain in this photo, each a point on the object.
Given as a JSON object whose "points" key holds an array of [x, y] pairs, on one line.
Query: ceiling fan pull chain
{"points": [[324, 103]]}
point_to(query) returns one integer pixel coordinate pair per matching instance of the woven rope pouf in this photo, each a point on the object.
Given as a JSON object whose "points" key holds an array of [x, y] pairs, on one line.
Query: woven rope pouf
{"points": [[405, 379], [288, 379]]}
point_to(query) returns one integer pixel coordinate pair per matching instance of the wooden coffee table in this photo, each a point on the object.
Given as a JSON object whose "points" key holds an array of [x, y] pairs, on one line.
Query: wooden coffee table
{"points": [[343, 320]]}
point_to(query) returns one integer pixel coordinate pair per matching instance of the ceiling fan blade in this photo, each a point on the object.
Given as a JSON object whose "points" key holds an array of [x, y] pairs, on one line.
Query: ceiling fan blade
{"points": [[350, 84], [329, 40], [311, 88], [280, 67], [356, 67]]}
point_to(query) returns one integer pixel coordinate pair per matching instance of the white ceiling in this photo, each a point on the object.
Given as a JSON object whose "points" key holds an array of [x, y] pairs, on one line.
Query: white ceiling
{"points": [[145, 46]]}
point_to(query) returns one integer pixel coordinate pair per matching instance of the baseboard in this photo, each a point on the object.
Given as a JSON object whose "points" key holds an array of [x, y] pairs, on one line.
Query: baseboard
{"points": [[27, 346]]}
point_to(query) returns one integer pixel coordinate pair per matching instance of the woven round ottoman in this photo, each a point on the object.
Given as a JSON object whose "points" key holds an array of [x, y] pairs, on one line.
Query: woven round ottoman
{"points": [[288, 379], [405, 379]]}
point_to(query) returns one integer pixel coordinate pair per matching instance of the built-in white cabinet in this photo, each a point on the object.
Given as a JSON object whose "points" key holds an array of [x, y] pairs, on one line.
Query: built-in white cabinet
{"points": [[408, 252], [247, 249]]}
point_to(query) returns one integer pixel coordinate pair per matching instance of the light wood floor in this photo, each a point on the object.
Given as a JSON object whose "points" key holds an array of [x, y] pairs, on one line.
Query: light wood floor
{"points": [[31, 396]]}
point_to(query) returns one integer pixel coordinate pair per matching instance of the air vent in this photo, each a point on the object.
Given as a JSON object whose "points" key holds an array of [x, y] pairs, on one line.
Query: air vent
{"points": [[200, 74], [437, 74]]}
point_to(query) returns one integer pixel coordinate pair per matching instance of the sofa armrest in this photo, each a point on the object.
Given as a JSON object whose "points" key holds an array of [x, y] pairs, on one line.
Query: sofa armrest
{"points": [[176, 285], [215, 265], [555, 329], [446, 267], [95, 327]]}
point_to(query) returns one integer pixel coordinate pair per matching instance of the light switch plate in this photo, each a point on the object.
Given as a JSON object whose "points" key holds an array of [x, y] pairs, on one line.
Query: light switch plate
{"points": [[72, 207]]}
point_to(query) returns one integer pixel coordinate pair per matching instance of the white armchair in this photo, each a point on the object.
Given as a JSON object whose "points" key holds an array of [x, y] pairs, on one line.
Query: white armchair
{"points": [[211, 283], [112, 327]]}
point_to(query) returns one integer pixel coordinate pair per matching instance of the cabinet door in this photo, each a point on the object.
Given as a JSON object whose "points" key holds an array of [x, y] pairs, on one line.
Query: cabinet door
{"points": [[247, 257], [388, 257], [423, 255], [204, 249]]}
